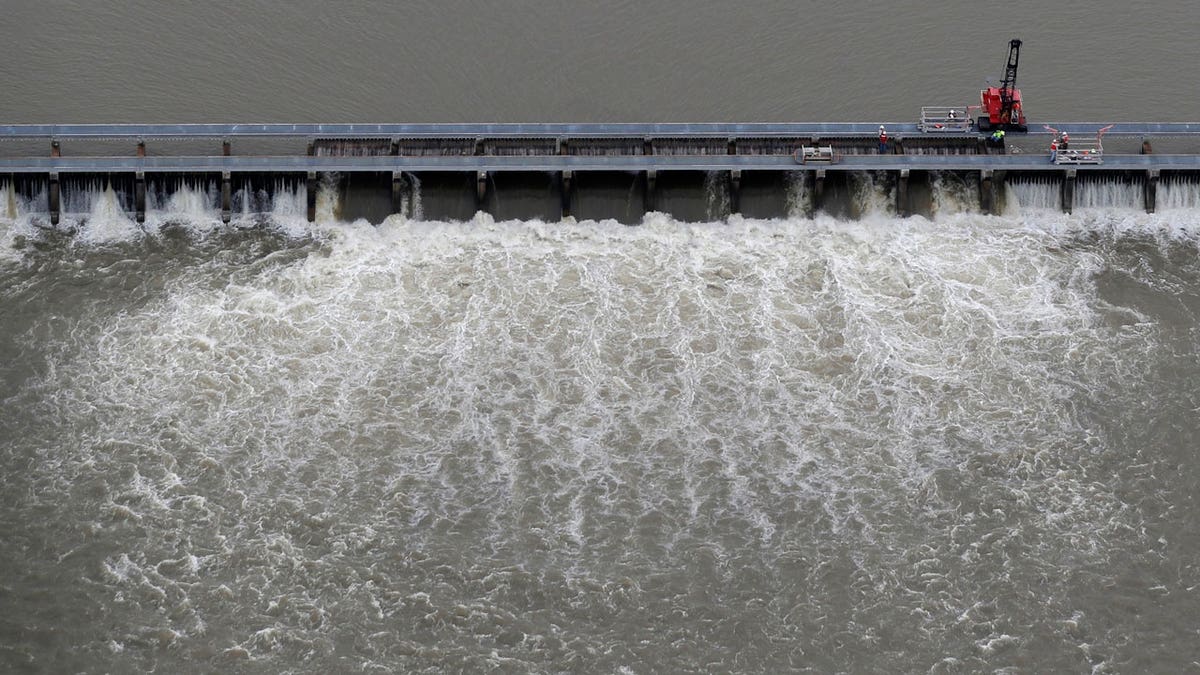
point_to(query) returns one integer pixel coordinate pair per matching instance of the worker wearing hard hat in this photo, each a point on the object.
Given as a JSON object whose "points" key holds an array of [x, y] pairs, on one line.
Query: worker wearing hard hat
{"points": [[1062, 145], [883, 140]]}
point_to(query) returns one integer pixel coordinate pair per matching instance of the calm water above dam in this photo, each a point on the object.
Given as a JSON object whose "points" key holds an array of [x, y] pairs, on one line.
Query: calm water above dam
{"points": [[847, 443], [614, 61]]}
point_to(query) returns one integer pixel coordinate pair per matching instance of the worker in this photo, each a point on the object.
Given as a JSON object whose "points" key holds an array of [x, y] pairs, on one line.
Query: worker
{"points": [[1053, 150], [1063, 144], [953, 115], [883, 140], [998, 138]]}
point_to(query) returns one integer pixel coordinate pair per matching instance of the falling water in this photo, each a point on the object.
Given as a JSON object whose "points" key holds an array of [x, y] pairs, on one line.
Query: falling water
{"points": [[716, 195], [288, 200], [1036, 193], [11, 207], [85, 198], [799, 195], [413, 206], [106, 218], [1109, 192], [870, 194], [1178, 193], [183, 202], [328, 208]]}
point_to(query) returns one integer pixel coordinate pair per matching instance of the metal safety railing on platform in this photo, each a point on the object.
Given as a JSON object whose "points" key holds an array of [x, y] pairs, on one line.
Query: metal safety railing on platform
{"points": [[945, 119], [1080, 152]]}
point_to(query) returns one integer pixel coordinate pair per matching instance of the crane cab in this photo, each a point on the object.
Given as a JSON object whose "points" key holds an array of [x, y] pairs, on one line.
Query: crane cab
{"points": [[1002, 105], [998, 116]]}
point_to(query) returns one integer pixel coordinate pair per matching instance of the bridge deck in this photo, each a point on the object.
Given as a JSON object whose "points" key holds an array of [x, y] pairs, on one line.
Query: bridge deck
{"points": [[300, 164], [553, 130]]}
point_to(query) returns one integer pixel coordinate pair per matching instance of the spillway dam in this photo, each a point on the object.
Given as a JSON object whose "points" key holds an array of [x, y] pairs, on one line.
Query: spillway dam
{"points": [[695, 172]]}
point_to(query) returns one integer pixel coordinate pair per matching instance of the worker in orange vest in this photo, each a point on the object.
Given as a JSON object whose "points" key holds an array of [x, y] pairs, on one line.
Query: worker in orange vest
{"points": [[883, 139], [1053, 150]]}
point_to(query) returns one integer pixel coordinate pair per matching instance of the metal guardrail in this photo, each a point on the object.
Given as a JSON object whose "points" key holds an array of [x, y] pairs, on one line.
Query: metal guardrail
{"points": [[1080, 152], [391, 163], [552, 130], [945, 119], [503, 130]]}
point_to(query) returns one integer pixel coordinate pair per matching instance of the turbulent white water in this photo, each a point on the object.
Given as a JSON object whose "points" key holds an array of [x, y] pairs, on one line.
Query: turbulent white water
{"points": [[748, 446], [870, 196], [954, 194]]}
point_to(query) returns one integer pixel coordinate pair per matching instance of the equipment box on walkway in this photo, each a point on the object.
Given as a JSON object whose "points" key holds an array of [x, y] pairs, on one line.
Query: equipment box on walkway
{"points": [[810, 154]]}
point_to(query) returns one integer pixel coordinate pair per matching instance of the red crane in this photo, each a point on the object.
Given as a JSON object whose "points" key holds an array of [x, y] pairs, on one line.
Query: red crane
{"points": [[1002, 105]]}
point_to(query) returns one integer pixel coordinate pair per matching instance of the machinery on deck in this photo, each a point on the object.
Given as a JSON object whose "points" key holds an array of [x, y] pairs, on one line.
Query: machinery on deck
{"points": [[1002, 105]]}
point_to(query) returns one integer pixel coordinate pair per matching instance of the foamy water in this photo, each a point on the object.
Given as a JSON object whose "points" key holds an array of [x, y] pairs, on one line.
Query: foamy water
{"points": [[761, 446]]}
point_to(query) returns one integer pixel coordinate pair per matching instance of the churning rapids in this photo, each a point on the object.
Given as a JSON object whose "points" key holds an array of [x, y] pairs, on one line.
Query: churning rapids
{"points": [[882, 445]]}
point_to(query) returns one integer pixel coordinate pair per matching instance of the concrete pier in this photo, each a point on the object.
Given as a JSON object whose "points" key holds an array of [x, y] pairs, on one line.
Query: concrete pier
{"points": [[808, 181], [902, 193], [139, 196], [55, 197], [226, 196], [397, 193], [987, 192], [311, 194], [565, 183], [735, 191], [1068, 191], [1151, 187], [481, 190]]}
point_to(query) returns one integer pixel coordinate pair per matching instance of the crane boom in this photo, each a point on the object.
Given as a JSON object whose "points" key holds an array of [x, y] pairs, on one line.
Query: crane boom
{"points": [[1009, 83]]}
